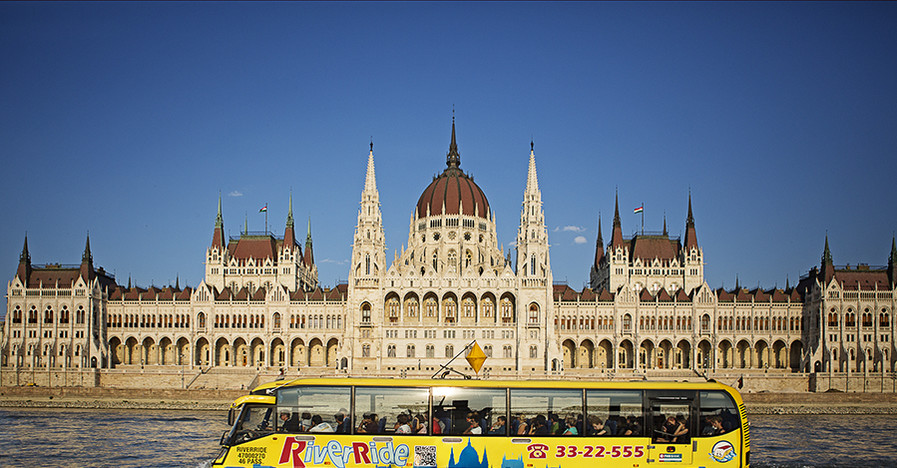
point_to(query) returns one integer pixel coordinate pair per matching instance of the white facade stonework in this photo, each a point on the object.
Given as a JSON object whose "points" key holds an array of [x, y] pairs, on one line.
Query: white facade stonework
{"points": [[648, 311]]}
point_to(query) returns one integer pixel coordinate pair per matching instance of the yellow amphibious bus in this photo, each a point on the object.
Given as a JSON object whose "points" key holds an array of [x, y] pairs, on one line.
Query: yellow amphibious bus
{"points": [[360, 422]]}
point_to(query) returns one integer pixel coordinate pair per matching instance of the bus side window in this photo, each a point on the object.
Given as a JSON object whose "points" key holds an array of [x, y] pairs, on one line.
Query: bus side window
{"points": [[614, 413], [547, 412], [718, 413], [391, 410], [313, 409], [470, 411]]}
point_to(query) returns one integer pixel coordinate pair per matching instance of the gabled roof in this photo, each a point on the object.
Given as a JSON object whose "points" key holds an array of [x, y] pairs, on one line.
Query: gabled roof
{"points": [[259, 294], [724, 296], [760, 295], [224, 295], [587, 295], [742, 295], [256, 247], [866, 280], [184, 295], [649, 247], [241, 295], [664, 296], [605, 296], [682, 297], [645, 296], [779, 296], [316, 295]]}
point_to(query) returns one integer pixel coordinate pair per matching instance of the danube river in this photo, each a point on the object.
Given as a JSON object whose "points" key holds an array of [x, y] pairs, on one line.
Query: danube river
{"points": [[145, 439]]}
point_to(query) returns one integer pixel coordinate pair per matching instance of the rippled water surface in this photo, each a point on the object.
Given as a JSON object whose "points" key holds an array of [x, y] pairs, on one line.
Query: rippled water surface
{"points": [[137, 438]]}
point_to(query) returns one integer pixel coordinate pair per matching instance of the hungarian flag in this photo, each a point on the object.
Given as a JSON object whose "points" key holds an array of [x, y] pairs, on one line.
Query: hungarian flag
{"points": [[638, 210], [264, 209]]}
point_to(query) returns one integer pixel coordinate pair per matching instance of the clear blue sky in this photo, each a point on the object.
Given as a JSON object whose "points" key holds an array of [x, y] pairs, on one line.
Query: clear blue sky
{"points": [[127, 120]]}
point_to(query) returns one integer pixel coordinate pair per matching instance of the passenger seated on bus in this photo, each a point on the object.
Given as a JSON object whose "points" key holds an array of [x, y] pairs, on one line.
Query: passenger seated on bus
{"points": [[667, 431], [633, 426], [570, 422], [713, 426], [367, 426], [498, 428], [381, 425], [611, 425], [289, 422], [596, 427], [681, 435], [473, 424], [539, 425], [305, 424], [318, 425], [402, 426], [342, 422]]}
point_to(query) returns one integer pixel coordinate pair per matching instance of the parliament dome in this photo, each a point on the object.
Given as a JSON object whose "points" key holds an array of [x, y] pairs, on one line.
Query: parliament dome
{"points": [[453, 192]]}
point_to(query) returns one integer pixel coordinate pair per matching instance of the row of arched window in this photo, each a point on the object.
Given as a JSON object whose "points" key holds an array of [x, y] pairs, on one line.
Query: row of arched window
{"points": [[448, 310], [430, 351], [148, 321], [850, 318], [48, 317]]}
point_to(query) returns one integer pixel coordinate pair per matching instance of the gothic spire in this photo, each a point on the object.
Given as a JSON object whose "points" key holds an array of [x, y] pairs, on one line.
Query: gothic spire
{"points": [[691, 236], [309, 255], [289, 237], [892, 264], [617, 234], [532, 181], [87, 262], [86, 257], [453, 158], [599, 245], [827, 254], [665, 225], [24, 270], [218, 233], [370, 180]]}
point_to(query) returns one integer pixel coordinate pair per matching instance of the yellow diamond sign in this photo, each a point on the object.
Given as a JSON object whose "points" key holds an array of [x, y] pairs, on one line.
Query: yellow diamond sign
{"points": [[476, 357]]}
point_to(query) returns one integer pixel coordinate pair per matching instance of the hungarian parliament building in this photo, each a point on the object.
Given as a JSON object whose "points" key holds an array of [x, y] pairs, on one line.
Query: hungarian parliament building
{"points": [[647, 310]]}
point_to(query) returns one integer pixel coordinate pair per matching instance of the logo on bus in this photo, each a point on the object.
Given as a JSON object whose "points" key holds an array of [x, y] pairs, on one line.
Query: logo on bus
{"points": [[722, 451]]}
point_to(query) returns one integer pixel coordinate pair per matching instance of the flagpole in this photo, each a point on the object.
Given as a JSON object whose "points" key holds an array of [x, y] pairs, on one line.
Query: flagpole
{"points": [[643, 218], [266, 219]]}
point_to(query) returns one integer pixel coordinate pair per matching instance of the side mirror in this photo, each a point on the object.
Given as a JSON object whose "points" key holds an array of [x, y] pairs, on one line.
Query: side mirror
{"points": [[224, 438], [230, 417]]}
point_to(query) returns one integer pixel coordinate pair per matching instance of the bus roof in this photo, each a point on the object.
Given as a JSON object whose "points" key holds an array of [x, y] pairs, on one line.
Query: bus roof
{"points": [[268, 388]]}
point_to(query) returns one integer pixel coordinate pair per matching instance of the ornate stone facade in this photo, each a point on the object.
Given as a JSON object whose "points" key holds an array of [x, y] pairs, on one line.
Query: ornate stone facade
{"points": [[260, 306]]}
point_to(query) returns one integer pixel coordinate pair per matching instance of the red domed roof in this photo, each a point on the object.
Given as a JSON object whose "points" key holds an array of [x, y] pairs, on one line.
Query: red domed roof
{"points": [[453, 189]]}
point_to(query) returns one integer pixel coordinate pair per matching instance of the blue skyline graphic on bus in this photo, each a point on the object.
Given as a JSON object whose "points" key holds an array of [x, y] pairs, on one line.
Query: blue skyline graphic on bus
{"points": [[470, 458]]}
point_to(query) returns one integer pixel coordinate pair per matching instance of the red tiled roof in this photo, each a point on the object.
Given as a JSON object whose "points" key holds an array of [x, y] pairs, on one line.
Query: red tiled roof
{"points": [[335, 295], [184, 295], [605, 296], [241, 295], [724, 296], [645, 296], [224, 295], [795, 296], [587, 295], [49, 277], [133, 294], [779, 296], [760, 295], [648, 248], [682, 297], [297, 295], [257, 247], [259, 294], [862, 279], [742, 295], [316, 295]]}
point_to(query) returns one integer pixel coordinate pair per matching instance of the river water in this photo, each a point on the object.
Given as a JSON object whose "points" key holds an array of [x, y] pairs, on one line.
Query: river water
{"points": [[144, 439]]}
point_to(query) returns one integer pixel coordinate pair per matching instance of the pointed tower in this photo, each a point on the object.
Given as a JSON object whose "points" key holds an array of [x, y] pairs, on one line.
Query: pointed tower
{"points": [[309, 254], [369, 246], [216, 254], [892, 264], [691, 237], [595, 271], [534, 274], [616, 269], [532, 235], [87, 272], [289, 234], [692, 256], [828, 265], [24, 270]]}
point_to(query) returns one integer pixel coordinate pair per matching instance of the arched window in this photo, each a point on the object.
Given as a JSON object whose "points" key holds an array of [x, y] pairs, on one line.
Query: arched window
{"points": [[366, 313], [366, 350], [409, 351], [468, 258], [391, 350], [276, 319], [392, 309], [431, 351], [449, 351], [367, 264], [533, 316], [532, 265]]}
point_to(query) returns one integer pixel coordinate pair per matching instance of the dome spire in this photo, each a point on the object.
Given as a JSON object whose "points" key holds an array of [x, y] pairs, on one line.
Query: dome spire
{"points": [[453, 158]]}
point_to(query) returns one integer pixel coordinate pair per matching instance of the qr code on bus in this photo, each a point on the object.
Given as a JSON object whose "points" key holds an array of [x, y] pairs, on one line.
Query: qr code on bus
{"points": [[425, 455]]}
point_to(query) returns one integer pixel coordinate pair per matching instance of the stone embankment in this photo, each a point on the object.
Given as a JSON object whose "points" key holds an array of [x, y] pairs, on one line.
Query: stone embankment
{"points": [[219, 400]]}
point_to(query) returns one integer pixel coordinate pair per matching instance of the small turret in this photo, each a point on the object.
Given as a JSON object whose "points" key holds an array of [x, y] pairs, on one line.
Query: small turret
{"points": [[617, 235], [24, 270], [87, 272], [691, 236]]}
